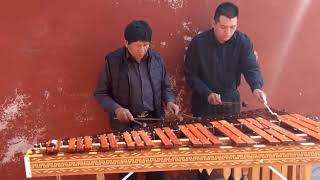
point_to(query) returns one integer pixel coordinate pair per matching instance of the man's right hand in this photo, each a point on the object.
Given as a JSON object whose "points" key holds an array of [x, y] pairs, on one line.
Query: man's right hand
{"points": [[214, 99], [123, 114], [260, 95]]}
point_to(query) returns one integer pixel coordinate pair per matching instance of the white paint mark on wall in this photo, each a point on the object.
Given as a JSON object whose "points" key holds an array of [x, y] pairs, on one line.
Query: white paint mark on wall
{"points": [[15, 145], [84, 116], [163, 44], [46, 94], [189, 32], [175, 4], [12, 108], [186, 25], [187, 38]]}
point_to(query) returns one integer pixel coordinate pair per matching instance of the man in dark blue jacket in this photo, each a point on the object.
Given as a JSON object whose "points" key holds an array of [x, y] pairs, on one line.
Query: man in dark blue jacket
{"points": [[134, 81], [214, 62]]}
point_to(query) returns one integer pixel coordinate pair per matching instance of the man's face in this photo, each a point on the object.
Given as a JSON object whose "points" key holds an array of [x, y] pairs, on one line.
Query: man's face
{"points": [[138, 49], [224, 28]]}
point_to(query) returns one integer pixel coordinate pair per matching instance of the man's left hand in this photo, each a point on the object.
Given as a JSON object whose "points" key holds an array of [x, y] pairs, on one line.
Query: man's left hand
{"points": [[173, 108]]}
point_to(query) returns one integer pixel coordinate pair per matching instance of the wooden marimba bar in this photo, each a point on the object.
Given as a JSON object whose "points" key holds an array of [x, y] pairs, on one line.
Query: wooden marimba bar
{"points": [[249, 144]]}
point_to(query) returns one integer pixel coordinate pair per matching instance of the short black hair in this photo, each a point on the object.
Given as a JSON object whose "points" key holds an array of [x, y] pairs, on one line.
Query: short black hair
{"points": [[227, 9], [138, 30]]}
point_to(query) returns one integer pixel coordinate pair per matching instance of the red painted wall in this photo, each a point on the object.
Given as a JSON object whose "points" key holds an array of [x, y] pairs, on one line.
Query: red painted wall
{"points": [[52, 51]]}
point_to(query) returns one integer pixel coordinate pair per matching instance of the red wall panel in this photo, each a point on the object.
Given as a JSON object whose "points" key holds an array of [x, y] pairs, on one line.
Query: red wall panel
{"points": [[52, 52]]}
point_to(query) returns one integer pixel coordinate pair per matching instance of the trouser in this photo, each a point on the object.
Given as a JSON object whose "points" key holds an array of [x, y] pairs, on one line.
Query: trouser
{"points": [[201, 107], [227, 109]]}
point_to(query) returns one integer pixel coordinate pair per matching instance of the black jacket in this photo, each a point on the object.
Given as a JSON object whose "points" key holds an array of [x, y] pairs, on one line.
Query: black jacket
{"points": [[214, 67], [113, 88]]}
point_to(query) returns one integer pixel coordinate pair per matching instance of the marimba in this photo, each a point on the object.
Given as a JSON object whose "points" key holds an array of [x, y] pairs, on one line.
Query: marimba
{"points": [[248, 143]]}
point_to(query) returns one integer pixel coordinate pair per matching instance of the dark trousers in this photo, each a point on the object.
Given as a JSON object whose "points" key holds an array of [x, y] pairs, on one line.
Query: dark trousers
{"points": [[201, 107], [227, 109]]}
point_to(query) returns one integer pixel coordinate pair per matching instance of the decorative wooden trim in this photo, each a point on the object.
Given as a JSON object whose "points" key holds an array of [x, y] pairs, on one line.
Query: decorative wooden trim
{"points": [[168, 159]]}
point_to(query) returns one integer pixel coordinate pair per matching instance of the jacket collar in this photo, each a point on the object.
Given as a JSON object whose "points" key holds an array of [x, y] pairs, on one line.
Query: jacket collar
{"points": [[128, 56]]}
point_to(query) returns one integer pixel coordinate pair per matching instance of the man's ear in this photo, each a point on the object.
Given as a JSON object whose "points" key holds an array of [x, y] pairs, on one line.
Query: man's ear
{"points": [[126, 43], [213, 23]]}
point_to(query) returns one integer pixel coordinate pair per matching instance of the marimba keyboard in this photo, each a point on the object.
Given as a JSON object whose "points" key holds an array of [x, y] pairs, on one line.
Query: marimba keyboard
{"points": [[251, 139]]}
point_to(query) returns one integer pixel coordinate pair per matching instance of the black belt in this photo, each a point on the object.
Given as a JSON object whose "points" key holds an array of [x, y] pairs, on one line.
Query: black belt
{"points": [[229, 93]]}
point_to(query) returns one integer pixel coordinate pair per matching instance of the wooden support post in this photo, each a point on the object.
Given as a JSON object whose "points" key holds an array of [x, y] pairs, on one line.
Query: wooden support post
{"points": [[245, 172], [292, 172], [274, 175], [226, 172], [284, 171], [305, 171], [265, 173], [237, 173], [255, 173], [100, 176]]}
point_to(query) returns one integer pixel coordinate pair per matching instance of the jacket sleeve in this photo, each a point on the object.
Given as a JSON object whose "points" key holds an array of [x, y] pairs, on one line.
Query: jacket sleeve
{"points": [[166, 87], [103, 91], [193, 69], [249, 66]]}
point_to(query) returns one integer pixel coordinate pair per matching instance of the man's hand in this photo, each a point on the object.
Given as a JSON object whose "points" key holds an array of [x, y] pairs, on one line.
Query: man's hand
{"points": [[260, 95], [214, 99], [173, 108], [123, 114]]}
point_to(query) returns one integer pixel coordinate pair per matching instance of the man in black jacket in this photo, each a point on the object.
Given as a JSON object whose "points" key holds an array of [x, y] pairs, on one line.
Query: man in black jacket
{"points": [[134, 82], [214, 62]]}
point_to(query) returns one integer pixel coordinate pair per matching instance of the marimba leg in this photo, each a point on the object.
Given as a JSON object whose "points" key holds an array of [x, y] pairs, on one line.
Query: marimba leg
{"points": [[284, 171], [274, 175], [237, 173], [245, 172], [226, 173], [265, 173], [58, 177], [305, 172], [255, 173], [292, 172], [100, 176]]}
